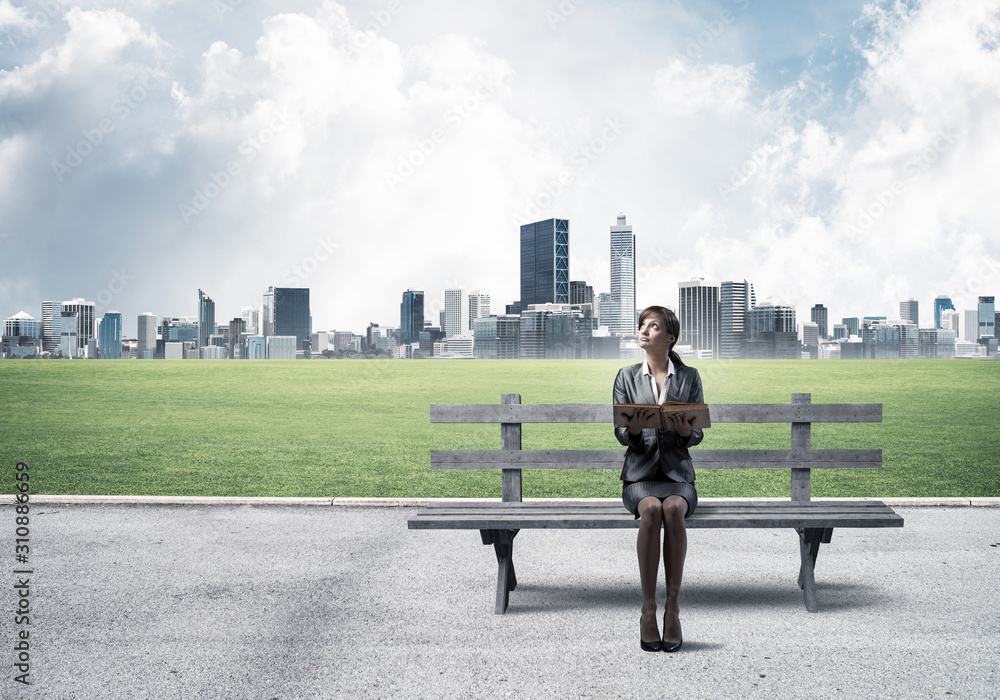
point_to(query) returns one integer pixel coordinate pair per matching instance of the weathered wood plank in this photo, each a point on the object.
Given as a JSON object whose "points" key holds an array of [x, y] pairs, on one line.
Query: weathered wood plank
{"points": [[612, 459], [801, 442], [602, 413], [510, 441]]}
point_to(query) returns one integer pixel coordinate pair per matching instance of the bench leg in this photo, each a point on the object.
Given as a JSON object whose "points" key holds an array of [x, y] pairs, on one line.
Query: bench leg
{"points": [[503, 545], [809, 541]]}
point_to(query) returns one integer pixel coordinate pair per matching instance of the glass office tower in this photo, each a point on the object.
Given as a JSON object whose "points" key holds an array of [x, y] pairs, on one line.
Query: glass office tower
{"points": [[545, 262], [291, 314], [109, 336], [622, 319], [411, 316]]}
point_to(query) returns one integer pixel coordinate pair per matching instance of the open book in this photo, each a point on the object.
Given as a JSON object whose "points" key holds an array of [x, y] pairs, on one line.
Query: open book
{"points": [[699, 410]]}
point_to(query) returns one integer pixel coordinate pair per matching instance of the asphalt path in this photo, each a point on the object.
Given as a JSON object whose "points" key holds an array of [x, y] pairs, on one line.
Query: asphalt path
{"points": [[239, 601]]}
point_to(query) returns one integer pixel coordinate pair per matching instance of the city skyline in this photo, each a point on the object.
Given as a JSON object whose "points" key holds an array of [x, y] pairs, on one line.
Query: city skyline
{"points": [[331, 146]]}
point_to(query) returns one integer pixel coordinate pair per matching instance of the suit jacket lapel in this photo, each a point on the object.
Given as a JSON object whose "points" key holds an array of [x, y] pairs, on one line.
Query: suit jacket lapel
{"points": [[645, 391], [674, 388]]}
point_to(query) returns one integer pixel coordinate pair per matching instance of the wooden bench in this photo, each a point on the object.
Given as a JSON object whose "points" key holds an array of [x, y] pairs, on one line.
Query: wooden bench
{"points": [[499, 521]]}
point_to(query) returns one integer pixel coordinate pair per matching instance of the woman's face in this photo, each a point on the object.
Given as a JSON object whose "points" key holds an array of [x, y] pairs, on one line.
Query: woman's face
{"points": [[653, 337]]}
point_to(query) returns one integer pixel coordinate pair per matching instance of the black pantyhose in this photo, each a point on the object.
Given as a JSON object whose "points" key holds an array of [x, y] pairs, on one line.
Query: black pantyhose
{"points": [[670, 516]]}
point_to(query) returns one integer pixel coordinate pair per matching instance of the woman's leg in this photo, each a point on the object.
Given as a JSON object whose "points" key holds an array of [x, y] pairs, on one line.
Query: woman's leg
{"points": [[674, 551], [648, 549]]}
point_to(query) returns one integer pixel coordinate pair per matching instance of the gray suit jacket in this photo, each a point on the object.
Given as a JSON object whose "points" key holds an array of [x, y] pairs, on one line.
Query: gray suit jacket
{"points": [[654, 449]]}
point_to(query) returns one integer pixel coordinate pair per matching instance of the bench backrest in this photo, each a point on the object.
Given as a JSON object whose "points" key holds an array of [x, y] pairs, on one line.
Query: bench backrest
{"points": [[510, 413]]}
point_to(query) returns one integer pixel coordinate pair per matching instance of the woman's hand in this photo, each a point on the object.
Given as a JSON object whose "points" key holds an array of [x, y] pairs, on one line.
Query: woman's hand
{"points": [[638, 419], [681, 423]]}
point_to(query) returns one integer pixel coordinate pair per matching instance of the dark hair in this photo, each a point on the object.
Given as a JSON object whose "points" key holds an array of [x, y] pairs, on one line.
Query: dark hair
{"points": [[670, 324]]}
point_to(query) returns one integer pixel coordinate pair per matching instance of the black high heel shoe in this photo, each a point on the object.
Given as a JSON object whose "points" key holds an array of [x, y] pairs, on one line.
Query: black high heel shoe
{"points": [[648, 646], [670, 647]]}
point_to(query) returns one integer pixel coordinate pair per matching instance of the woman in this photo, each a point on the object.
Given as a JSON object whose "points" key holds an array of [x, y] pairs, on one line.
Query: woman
{"points": [[658, 475]]}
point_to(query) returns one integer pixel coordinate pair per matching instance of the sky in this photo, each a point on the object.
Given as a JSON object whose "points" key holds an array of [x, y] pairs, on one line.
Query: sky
{"points": [[842, 153]]}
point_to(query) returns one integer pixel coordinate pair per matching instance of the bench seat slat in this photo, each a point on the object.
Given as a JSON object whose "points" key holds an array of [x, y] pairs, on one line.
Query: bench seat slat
{"points": [[602, 413], [546, 515], [613, 459]]}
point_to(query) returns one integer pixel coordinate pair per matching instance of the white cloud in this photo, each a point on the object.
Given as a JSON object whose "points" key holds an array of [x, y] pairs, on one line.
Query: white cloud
{"points": [[684, 88]]}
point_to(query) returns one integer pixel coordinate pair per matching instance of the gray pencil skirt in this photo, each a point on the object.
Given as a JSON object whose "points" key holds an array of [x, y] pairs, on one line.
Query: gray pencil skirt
{"points": [[635, 491]]}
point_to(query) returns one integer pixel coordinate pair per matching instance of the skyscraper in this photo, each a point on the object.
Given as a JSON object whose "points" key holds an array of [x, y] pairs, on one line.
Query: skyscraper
{"points": [[479, 306], [941, 303], [411, 316], [51, 325], [451, 322], [291, 315], [580, 292], [735, 301], [818, 315], [622, 319], [146, 336], [699, 316], [986, 309], [206, 318], [84, 311], [267, 313], [545, 262], [970, 325], [69, 334], [251, 320], [237, 329], [109, 339], [908, 311]]}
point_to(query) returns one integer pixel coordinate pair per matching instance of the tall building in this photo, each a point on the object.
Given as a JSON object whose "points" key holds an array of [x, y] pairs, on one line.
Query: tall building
{"points": [[146, 340], [84, 311], [580, 292], [818, 315], [291, 315], [949, 320], [909, 311], [479, 306], [109, 337], [23, 325], [451, 322], [603, 307], [622, 319], [206, 318], [544, 263], [411, 316], [735, 301], [941, 303], [237, 330], [986, 317], [51, 325], [772, 332], [970, 325], [69, 334], [251, 320], [496, 337], [699, 316], [267, 313], [853, 324], [809, 337]]}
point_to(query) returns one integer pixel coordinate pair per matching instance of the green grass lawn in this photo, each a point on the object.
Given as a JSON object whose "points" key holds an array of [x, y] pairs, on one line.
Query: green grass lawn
{"points": [[361, 427]]}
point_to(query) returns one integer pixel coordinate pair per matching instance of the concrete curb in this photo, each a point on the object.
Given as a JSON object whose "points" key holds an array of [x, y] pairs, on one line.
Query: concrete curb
{"points": [[951, 501]]}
